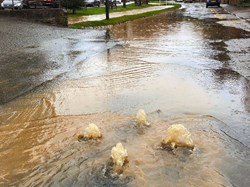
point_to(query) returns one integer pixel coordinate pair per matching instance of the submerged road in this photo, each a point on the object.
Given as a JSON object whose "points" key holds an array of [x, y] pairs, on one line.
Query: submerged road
{"points": [[189, 66]]}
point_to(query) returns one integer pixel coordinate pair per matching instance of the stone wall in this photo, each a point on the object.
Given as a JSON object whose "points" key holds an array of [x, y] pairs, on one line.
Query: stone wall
{"points": [[50, 16]]}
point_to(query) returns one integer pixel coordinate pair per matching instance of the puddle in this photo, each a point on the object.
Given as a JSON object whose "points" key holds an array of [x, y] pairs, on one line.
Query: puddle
{"points": [[236, 23]]}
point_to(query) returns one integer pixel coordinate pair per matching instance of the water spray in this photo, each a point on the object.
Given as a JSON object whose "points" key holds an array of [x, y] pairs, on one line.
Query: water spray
{"points": [[91, 132], [119, 156], [177, 136], [141, 118]]}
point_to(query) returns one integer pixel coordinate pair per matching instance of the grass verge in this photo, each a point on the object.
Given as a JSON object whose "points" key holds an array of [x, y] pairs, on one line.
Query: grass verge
{"points": [[122, 19], [101, 10]]}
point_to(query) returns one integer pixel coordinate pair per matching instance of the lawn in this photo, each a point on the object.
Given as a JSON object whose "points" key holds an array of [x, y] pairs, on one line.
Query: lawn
{"points": [[101, 10], [122, 19]]}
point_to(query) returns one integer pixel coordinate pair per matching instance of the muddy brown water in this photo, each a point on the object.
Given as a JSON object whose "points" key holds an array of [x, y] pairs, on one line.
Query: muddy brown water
{"points": [[178, 70]]}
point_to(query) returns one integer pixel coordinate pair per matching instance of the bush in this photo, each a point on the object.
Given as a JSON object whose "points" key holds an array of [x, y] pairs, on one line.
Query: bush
{"points": [[72, 4]]}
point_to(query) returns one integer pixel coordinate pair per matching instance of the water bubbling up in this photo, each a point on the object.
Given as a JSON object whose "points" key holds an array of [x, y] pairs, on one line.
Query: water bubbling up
{"points": [[141, 118], [119, 156], [178, 136], [91, 132]]}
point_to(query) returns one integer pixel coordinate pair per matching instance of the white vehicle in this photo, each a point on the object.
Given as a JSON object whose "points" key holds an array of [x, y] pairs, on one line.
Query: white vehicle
{"points": [[1, 4], [17, 4], [118, 1], [91, 3]]}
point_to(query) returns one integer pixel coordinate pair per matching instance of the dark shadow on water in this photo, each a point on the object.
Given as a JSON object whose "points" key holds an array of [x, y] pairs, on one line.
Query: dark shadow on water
{"points": [[247, 97], [104, 176], [225, 74], [21, 72]]}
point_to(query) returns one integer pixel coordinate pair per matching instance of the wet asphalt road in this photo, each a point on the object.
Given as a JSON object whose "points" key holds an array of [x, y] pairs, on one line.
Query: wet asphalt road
{"points": [[33, 53], [23, 43], [190, 67]]}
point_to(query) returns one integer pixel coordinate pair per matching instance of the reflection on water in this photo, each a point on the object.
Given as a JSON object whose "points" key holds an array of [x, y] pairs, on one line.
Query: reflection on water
{"points": [[179, 71]]}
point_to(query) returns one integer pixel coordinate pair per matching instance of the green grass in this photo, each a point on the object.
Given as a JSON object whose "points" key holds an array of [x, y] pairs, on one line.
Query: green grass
{"points": [[101, 10], [122, 19]]}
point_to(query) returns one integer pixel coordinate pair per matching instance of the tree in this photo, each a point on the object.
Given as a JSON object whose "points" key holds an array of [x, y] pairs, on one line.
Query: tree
{"points": [[124, 3], [107, 9], [72, 4], [138, 2]]}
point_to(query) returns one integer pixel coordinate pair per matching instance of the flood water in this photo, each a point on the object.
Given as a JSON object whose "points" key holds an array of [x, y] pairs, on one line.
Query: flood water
{"points": [[178, 67]]}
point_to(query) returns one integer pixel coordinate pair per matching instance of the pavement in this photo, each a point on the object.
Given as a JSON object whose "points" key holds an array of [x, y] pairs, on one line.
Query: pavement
{"points": [[242, 13]]}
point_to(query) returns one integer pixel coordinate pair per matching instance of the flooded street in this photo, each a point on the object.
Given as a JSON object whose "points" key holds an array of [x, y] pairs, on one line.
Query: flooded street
{"points": [[187, 67]]}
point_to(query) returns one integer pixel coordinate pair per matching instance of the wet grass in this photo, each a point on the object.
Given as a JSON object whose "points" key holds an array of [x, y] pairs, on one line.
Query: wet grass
{"points": [[101, 10], [122, 19]]}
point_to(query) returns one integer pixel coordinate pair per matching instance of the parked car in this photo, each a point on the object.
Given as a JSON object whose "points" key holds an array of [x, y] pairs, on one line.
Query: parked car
{"points": [[52, 3], [91, 3], [188, 1], [32, 3], [118, 1], [16, 4], [1, 4], [213, 3]]}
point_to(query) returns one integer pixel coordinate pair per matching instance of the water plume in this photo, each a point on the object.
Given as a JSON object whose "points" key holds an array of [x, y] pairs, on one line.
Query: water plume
{"points": [[177, 136], [141, 118], [119, 156], [91, 132]]}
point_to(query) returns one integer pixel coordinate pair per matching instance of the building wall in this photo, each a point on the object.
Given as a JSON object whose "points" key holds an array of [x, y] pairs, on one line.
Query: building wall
{"points": [[234, 2], [50, 16]]}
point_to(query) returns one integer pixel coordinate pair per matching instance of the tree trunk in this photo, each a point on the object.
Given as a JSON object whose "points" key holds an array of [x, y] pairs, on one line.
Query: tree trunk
{"points": [[107, 9]]}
